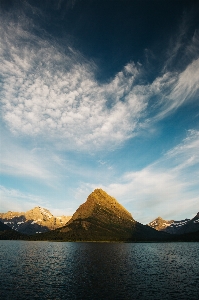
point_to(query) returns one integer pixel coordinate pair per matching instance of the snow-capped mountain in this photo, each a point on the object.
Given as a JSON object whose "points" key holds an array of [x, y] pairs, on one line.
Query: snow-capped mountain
{"points": [[176, 227], [160, 224], [36, 220]]}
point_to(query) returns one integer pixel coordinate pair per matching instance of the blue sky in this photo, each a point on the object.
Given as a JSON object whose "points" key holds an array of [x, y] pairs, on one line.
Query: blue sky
{"points": [[100, 94]]}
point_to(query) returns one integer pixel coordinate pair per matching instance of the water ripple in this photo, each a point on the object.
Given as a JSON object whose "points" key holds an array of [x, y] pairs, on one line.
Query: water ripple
{"points": [[53, 270]]}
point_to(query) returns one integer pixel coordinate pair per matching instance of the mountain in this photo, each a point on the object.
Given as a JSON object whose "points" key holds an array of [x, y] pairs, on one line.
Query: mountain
{"points": [[36, 220], [160, 224], [6, 233], [176, 227], [102, 218]]}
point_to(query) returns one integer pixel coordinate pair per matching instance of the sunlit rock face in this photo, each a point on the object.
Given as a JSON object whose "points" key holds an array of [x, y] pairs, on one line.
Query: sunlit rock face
{"points": [[36, 220], [104, 208], [160, 224], [101, 217]]}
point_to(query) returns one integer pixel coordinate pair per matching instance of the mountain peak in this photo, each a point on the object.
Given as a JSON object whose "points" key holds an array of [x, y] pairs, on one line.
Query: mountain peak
{"points": [[97, 202], [39, 212], [160, 224]]}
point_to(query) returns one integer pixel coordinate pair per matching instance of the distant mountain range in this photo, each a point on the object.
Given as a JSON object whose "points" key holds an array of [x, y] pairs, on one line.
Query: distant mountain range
{"points": [[176, 227], [36, 220], [100, 218]]}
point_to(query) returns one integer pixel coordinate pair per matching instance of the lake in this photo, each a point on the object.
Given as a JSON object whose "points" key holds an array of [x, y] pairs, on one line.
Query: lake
{"points": [[55, 270]]}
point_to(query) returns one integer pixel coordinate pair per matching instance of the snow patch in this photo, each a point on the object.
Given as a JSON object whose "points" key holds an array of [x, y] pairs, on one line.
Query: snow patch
{"points": [[44, 212]]}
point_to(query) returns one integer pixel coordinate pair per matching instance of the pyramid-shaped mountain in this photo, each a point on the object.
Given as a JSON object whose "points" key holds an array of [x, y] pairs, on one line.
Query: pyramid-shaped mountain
{"points": [[102, 218], [102, 207]]}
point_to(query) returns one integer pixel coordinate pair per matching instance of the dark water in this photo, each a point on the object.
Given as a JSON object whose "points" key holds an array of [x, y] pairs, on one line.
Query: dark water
{"points": [[45, 270]]}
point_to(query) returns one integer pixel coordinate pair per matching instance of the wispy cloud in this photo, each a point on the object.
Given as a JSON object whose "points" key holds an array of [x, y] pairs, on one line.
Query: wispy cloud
{"points": [[18, 201], [46, 92], [176, 89], [183, 46], [53, 94]]}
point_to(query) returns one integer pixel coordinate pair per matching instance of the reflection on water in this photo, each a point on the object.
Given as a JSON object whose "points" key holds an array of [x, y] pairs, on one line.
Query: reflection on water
{"points": [[45, 270]]}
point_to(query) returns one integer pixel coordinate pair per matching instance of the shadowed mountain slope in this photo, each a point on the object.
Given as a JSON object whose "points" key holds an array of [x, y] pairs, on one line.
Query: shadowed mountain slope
{"points": [[6, 233], [4, 227], [190, 226]]}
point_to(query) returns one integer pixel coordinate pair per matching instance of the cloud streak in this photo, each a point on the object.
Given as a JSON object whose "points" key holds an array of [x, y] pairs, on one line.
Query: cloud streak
{"points": [[176, 89], [17, 200]]}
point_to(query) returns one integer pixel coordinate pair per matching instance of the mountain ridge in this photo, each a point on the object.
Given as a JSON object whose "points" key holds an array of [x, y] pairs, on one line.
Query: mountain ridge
{"points": [[33, 221], [100, 218], [176, 227]]}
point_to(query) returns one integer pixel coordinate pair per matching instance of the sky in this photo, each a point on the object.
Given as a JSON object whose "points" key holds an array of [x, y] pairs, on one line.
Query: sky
{"points": [[100, 94]]}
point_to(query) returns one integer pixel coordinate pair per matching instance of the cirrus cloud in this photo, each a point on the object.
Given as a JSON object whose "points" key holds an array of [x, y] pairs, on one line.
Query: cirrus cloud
{"points": [[45, 92], [53, 94]]}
